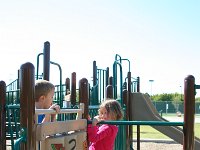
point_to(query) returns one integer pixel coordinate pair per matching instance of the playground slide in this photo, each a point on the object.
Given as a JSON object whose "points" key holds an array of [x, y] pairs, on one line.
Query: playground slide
{"points": [[142, 109]]}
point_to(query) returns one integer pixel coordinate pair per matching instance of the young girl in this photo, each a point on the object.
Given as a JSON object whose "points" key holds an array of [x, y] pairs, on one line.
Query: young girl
{"points": [[103, 137]]}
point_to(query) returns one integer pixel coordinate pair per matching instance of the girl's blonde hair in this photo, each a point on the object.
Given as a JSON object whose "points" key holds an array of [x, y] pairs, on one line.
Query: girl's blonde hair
{"points": [[113, 108]]}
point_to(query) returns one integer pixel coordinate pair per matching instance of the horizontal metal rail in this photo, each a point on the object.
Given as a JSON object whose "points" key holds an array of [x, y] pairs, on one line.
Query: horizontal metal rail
{"points": [[62, 111], [17, 106], [150, 123]]}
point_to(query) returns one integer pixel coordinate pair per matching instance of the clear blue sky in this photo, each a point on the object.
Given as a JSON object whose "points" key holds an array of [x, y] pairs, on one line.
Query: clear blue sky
{"points": [[161, 38]]}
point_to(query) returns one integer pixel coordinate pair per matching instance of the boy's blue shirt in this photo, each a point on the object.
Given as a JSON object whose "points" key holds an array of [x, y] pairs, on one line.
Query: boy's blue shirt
{"points": [[40, 118]]}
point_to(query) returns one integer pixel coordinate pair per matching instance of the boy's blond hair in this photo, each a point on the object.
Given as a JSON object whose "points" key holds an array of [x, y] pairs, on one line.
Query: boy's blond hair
{"points": [[42, 88], [113, 108]]}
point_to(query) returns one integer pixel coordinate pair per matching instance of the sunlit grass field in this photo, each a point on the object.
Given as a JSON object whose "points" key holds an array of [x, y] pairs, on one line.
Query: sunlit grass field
{"points": [[148, 132]]}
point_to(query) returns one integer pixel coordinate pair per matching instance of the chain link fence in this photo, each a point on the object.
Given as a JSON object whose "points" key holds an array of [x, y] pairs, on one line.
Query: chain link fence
{"points": [[173, 107]]}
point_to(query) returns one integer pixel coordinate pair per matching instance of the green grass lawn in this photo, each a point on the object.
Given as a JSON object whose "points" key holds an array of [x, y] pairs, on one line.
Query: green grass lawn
{"points": [[151, 133], [197, 130]]}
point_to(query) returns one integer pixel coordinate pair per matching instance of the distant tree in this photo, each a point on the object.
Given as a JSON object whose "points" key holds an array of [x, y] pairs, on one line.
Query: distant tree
{"points": [[197, 99], [176, 97], [167, 97]]}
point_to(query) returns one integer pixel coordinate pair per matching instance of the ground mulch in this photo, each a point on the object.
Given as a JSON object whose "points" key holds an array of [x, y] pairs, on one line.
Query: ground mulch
{"points": [[158, 145], [149, 144]]}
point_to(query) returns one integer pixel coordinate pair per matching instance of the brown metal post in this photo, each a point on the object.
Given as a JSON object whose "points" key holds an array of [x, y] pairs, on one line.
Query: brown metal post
{"points": [[2, 115], [189, 111], [73, 89], [128, 109], [94, 73], [84, 96], [107, 76], [27, 105], [138, 126], [46, 61], [67, 85], [129, 92], [138, 84], [109, 92], [110, 81], [125, 100]]}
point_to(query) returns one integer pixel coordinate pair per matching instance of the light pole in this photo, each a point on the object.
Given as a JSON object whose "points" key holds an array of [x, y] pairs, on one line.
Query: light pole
{"points": [[151, 81], [181, 91]]}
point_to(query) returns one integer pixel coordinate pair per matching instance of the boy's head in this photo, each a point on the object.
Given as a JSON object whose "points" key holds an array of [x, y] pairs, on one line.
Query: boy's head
{"points": [[44, 93]]}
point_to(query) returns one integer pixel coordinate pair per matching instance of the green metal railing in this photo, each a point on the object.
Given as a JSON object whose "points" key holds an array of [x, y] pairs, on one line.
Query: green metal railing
{"points": [[23, 138], [12, 97], [144, 123], [12, 123], [120, 142]]}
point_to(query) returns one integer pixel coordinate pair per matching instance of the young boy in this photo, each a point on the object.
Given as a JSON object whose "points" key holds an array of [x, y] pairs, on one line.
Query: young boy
{"points": [[44, 93]]}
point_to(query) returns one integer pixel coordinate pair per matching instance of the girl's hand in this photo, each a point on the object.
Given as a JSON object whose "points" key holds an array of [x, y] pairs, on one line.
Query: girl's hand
{"points": [[95, 120], [89, 118]]}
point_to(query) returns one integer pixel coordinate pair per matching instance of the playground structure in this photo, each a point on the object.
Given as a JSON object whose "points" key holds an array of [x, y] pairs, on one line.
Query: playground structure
{"points": [[18, 109], [73, 131]]}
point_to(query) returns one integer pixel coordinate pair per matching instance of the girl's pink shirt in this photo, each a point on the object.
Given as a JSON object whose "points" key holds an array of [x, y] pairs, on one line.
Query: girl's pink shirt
{"points": [[102, 137]]}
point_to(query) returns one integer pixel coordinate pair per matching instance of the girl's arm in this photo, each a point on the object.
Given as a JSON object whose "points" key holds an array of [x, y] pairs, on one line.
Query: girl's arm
{"points": [[96, 133]]}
